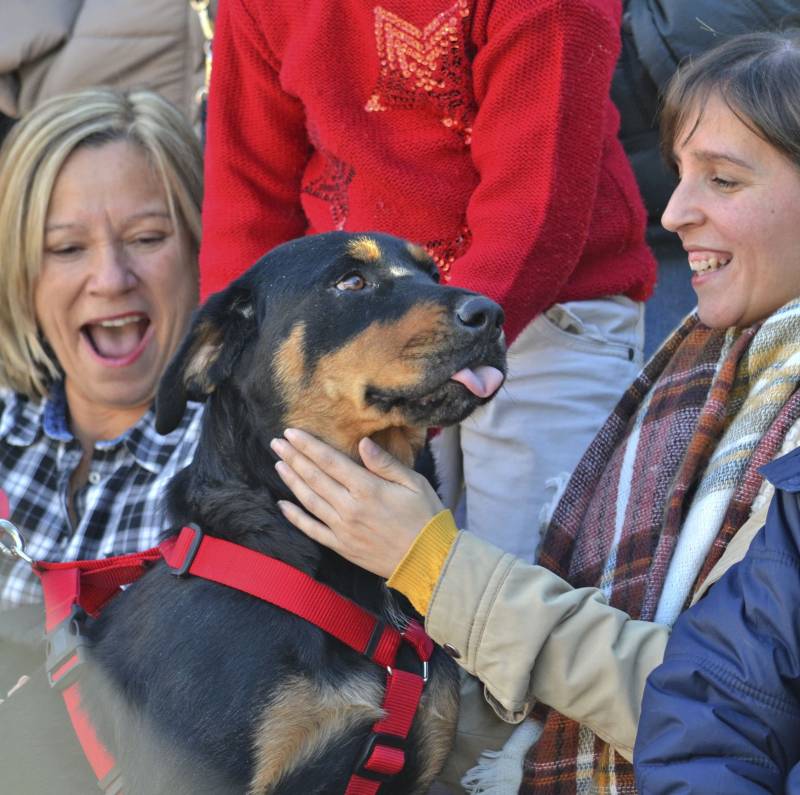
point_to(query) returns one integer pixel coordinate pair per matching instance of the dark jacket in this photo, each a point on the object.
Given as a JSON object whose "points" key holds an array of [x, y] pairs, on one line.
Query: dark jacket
{"points": [[722, 713], [656, 36]]}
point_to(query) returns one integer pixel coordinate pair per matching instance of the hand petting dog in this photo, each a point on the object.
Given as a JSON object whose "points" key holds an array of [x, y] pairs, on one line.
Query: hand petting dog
{"points": [[368, 516]]}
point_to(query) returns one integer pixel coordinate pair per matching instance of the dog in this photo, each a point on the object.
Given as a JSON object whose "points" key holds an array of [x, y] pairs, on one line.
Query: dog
{"points": [[199, 688]]}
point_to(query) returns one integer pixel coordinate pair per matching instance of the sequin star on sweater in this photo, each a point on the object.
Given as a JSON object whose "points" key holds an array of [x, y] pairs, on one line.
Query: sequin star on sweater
{"points": [[479, 128]]}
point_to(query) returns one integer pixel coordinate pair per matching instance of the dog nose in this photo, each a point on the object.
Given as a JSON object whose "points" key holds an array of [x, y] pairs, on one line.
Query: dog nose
{"points": [[478, 313]]}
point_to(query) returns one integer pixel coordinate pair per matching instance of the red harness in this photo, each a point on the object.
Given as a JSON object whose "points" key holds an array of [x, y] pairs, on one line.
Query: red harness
{"points": [[76, 588]]}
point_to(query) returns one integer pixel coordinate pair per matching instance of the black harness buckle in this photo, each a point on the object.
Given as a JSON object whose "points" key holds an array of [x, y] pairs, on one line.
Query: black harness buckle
{"points": [[183, 569], [63, 643], [375, 739]]}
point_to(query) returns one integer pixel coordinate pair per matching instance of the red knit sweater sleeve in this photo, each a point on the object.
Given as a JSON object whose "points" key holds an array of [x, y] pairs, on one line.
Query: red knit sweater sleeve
{"points": [[256, 151], [541, 80]]}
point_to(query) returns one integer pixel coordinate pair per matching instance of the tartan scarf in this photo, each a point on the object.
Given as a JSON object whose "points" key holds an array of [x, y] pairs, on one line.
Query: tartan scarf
{"points": [[707, 411]]}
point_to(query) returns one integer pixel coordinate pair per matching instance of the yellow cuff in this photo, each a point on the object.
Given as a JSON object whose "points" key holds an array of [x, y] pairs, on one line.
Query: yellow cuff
{"points": [[417, 573]]}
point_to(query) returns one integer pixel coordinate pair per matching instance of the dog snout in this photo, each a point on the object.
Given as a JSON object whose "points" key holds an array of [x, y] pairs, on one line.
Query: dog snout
{"points": [[478, 314]]}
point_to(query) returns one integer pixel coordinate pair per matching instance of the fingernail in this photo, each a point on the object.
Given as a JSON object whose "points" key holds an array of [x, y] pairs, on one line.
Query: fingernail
{"points": [[277, 445], [292, 434], [369, 444], [282, 505]]}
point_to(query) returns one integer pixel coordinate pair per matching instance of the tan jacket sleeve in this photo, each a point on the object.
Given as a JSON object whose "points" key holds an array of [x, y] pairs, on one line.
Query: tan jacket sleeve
{"points": [[529, 636]]}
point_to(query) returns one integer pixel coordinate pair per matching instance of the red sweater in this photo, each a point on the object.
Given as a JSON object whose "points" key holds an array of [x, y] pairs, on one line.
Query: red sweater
{"points": [[479, 128]]}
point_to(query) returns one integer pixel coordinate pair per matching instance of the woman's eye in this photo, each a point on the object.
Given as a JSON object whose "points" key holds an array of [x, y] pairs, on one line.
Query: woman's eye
{"points": [[725, 184], [148, 240], [353, 281], [64, 251]]}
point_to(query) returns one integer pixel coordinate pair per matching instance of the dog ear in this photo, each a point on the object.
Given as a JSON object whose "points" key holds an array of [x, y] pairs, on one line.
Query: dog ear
{"points": [[218, 333]]}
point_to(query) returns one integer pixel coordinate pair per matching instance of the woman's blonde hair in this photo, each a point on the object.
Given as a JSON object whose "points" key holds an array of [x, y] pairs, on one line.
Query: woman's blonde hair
{"points": [[30, 161]]}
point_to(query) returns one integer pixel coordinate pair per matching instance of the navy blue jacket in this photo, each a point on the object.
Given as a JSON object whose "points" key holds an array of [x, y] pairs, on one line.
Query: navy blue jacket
{"points": [[722, 713]]}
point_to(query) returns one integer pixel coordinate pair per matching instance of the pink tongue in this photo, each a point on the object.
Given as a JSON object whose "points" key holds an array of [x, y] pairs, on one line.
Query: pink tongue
{"points": [[482, 381], [114, 343]]}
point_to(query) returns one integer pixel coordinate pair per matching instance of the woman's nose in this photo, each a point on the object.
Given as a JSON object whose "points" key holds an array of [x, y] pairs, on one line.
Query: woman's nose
{"points": [[683, 208], [111, 270]]}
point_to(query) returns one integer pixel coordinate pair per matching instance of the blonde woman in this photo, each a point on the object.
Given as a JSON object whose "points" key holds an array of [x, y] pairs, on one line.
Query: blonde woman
{"points": [[100, 195]]}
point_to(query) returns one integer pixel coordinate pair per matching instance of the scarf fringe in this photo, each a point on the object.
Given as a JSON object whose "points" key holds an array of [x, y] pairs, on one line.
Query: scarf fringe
{"points": [[500, 772]]}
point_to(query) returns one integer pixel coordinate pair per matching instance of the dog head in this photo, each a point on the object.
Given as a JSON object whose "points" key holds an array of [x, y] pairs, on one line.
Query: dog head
{"points": [[344, 336]]}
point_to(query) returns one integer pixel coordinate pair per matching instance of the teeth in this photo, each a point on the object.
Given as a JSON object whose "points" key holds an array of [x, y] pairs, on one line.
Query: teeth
{"points": [[710, 264], [119, 321]]}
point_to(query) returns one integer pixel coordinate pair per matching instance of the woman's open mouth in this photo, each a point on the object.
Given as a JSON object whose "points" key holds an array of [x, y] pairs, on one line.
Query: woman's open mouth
{"points": [[118, 341]]}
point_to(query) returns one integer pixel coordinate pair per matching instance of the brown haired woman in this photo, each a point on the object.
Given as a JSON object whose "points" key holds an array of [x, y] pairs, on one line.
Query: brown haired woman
{"points": [[668, 494]]}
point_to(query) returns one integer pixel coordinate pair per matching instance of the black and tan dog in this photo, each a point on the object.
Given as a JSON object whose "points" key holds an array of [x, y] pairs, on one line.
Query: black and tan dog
{"points": [[199, 688]]}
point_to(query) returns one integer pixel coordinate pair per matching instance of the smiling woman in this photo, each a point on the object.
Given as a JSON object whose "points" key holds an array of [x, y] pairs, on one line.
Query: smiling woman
{"points": [[735, 211], [100, 196], [660, 504]]}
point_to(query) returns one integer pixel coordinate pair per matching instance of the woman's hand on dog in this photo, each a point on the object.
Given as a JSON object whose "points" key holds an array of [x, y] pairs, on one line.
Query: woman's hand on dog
{"points": [[369, 516]]}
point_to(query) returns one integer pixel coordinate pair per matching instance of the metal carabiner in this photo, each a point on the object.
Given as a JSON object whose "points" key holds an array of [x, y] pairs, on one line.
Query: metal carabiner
{"points": [[17, 550]]}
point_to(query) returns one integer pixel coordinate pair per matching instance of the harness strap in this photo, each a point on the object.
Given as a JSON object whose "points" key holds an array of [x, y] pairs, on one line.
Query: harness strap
{"points": [[276, 582], [74, 589], [65, 586], [383, 756], [98, 581]]}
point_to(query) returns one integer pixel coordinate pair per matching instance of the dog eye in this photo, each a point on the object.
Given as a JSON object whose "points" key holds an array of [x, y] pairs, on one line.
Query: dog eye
{"points": [[353, 281]]}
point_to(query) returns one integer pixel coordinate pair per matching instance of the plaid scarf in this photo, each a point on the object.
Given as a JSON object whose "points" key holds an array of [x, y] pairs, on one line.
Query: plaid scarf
{"points": [[707, 411]]}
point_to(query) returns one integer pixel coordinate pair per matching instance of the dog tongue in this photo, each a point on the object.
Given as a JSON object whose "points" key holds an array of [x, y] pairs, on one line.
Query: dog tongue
{"points": [[482, 381]]}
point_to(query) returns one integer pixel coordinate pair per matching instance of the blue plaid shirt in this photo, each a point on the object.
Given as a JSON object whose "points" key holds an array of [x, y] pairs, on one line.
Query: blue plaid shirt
{"points": [[119, 510]]}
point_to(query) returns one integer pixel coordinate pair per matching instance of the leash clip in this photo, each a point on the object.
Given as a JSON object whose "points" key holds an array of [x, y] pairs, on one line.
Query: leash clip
{"points": [[17, 549]]}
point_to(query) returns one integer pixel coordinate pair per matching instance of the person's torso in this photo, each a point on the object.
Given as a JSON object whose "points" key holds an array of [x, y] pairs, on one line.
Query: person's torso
{"points": [[390, 100], [120, 508]]}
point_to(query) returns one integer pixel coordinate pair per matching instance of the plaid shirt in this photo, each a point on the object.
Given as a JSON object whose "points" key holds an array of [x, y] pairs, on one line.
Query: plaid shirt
{"points": [[119, 509]]}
